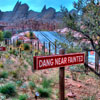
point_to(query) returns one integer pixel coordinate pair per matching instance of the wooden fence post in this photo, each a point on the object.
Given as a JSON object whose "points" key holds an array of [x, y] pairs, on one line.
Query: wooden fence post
{"points": [[38, 45], [61, 79], [96, 62], [55, 48], [49, 48], [44, 48], [86, 61]]}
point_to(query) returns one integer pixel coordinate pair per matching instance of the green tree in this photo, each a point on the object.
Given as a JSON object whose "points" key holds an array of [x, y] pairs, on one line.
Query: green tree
{"points": [[7, 34], [31, 35], [1, 36], [87, 22]]}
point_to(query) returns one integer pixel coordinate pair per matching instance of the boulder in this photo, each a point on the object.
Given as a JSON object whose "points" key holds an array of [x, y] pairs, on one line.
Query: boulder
{"points": [[71, 95]]}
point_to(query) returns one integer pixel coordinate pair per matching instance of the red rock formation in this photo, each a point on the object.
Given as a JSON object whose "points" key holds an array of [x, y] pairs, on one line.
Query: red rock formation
{"points": [[31, 24]]}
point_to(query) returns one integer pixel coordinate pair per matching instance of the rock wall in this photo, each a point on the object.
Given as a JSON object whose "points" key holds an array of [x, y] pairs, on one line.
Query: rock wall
{"points": [[21, 11]]}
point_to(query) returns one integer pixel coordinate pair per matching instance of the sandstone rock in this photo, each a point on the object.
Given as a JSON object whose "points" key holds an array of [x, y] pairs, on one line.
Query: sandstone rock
{"points": [[48, 14], [44, 9], [6, 16], [32, 14], [21, 12], [71, 95], [58, 16], [16, 6], [79, 85], [1, 13]]}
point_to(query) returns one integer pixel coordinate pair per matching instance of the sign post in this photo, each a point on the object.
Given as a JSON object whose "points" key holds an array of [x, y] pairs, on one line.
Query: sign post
{"points": [[61, 79], [61, 60]]}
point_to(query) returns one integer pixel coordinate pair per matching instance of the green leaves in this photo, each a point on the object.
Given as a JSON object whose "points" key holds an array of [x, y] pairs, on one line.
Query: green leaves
{"points": [[1, 36], [8, 89], [7, 34], [87, 23]]}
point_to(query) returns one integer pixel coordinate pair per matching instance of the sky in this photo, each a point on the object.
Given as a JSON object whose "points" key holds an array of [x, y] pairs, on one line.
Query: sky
{"points": [[37, 5]]}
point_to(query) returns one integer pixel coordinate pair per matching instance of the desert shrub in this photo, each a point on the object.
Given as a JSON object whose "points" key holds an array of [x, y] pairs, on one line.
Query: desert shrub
{"points": [[11, 51], [46, 83], [66, 99], [82, 76], [19, 43], [67, 76], [6, 56], [44, 92], [14, 74], [32, 85], [4, 74], [80, 67], [23, 97], [25, 66], [19, 82], [1, 65], [14, 52], [7, 34], [26, 46], [90, 98], [8, 89]]}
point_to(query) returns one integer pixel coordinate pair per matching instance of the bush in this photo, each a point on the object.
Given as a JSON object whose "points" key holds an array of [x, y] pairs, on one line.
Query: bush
{"points": [[23, 97], [90, 98], [25, 66], [67, 76], [1, 36], [19, 83], [46, 83], [26, 46], [19, 43], [1, 65], [7, 34], [14, 74], [8, 89], [82, 76], [4, 74], [32, 85], [44, 92]]}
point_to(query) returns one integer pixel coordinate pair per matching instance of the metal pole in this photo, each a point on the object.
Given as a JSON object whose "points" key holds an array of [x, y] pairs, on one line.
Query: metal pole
{"points": [[61, 79]]}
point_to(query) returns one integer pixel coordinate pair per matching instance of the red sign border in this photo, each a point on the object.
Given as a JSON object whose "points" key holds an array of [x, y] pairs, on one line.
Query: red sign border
{"points": [[3, 48], [70, 54]]}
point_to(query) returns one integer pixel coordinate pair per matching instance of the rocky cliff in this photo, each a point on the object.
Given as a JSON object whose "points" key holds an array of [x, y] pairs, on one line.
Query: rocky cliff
{"points": [[21, 11]]}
